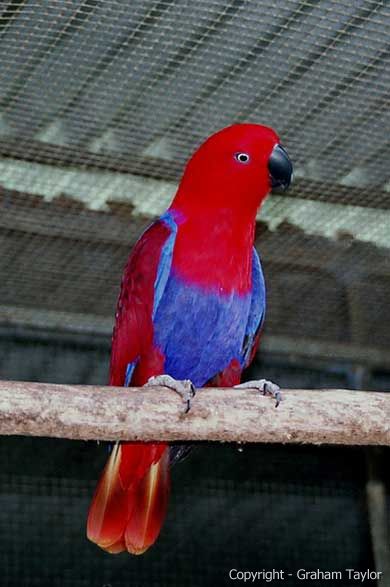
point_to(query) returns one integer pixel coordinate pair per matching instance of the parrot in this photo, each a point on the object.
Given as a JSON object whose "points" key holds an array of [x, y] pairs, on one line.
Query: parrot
{"points": [[190, 313]]}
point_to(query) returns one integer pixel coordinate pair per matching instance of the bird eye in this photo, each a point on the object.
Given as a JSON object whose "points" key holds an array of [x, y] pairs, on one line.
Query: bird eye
{"points": [[242, 157]]}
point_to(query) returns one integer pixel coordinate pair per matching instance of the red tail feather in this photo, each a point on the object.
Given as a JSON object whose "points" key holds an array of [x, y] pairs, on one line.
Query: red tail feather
{"points": [[130, 501]]}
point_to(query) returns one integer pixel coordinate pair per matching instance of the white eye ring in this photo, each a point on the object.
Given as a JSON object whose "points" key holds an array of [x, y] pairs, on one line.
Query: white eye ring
{"points": [[242, 157]]}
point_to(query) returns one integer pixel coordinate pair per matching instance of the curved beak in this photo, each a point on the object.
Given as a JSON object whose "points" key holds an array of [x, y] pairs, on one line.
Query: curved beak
{"points": [[280, 169]]}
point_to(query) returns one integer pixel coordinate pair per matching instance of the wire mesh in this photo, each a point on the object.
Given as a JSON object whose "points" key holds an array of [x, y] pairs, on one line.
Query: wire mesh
{"points": [[101, 104], [246, 515]]}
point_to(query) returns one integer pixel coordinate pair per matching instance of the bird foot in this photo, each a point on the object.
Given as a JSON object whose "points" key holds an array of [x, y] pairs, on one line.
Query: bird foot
{"points": [[265, 387], [185, 388]]}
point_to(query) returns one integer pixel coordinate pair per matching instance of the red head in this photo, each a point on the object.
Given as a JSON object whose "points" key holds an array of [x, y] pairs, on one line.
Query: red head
{"points": [[234, 168]]}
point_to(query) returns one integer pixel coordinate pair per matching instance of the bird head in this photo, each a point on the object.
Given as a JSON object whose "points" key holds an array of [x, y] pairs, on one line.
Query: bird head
{"points": [[236, 168]]}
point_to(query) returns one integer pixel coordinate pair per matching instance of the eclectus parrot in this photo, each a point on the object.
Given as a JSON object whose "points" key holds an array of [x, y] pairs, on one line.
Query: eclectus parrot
{"points": [[191, 306]]}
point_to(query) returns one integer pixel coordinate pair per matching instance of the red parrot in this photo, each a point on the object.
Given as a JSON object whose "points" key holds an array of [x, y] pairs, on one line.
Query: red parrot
{"points": [[191, 307]]}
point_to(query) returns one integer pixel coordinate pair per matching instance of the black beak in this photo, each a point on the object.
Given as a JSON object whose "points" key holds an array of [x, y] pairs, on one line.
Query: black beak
{"points": [[280, 169]]}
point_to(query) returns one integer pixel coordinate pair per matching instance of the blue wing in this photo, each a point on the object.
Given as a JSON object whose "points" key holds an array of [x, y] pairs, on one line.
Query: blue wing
{"points": [[164, 267], [256, 312]]}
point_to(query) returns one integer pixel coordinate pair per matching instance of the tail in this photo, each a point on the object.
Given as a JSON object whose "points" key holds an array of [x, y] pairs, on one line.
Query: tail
{"points": [[130, 501]]}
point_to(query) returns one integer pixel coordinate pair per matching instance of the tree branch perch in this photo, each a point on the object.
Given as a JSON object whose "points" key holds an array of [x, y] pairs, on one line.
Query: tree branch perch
{"points": [[146, 414]]}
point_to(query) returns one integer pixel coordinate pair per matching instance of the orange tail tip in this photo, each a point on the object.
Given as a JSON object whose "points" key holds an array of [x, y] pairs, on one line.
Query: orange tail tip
{"points": [[130, 501]]}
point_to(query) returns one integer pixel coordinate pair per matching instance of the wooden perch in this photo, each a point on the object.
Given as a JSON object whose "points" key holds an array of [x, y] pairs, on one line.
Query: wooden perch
{"points": [[239, 415]]}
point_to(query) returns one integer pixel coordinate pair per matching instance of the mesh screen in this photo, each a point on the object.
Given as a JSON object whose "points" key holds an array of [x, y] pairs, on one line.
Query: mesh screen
{"points": [[101, 103]]}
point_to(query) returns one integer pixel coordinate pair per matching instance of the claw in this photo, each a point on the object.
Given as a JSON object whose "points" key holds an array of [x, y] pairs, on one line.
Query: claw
{"points": [[185, 388], [265, 387]]}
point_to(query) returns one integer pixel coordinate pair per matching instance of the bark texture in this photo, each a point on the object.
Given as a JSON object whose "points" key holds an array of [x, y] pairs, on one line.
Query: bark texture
{"points": [[224, 415]]}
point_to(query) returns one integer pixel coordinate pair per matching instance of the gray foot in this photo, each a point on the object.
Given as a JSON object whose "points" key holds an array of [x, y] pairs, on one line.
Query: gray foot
{"points": [[185, 388], [265, 387]]}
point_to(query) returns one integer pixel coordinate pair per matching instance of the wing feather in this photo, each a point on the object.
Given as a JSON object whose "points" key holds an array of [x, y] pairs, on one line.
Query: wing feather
{"points": [[143, 283], [256, 312]]}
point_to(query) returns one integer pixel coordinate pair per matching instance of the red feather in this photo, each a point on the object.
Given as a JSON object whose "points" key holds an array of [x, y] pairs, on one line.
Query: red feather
{"points": [[131, 498], [130, 501]]}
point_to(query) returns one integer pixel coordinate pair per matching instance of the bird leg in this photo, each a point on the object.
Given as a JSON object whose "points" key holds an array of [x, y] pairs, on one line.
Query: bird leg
{"points": [[265, 387], [185, 388]]}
